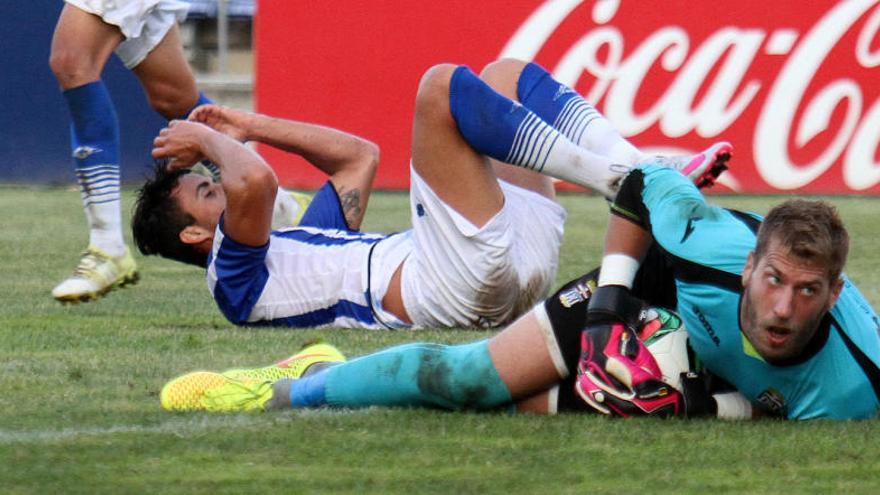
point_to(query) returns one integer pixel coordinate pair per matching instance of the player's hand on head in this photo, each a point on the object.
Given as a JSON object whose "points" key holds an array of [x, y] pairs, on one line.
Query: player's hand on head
{"points": [[222, 119], [206, 114], [181, 143]]}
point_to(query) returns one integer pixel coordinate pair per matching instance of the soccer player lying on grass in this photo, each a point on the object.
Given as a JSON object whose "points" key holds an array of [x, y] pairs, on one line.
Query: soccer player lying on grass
{"points": [[481, 251], [765, 304]]}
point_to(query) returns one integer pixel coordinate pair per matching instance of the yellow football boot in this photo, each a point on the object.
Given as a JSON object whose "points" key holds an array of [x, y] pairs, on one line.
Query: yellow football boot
{"points": [[213, 392], [243, 389], [293, 367]]}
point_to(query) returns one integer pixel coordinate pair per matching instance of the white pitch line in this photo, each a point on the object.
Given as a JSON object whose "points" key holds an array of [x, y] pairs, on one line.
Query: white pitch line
{"points": [[179, 426]]}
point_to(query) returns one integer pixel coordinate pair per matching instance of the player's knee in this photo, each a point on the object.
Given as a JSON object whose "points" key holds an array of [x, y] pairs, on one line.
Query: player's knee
{"points": [[502, 75], [73, 67], [169, 101], [503, 65], [433, 94], [502, 70]]}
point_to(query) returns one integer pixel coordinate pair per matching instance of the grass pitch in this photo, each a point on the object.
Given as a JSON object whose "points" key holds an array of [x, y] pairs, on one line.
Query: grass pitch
{"points": [[79, 406]]}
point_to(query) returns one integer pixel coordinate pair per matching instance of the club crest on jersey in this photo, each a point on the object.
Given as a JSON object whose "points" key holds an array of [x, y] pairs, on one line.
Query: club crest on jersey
{"points": [[772, 400], [574, 295]]}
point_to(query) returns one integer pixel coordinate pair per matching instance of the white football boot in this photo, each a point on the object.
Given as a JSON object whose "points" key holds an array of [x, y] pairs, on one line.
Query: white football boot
{"points": [[97, 274], [703, 168]]}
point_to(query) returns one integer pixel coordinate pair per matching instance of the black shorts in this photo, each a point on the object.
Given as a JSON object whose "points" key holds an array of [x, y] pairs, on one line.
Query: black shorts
{"points": [[567, 308]]}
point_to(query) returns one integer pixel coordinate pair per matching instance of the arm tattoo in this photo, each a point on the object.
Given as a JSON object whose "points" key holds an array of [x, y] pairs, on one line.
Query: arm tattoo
{"points": [[351, 207]]}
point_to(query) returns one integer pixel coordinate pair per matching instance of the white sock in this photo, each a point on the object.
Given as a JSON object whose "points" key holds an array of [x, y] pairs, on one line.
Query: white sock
{"points": [[544, 149], [100, 196], [586, 126]]}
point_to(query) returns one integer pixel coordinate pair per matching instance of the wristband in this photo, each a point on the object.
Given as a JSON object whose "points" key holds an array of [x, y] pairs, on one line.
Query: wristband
{"points": [[618, 269]]}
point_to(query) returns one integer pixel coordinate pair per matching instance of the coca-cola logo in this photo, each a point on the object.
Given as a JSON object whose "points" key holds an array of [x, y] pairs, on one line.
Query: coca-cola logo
{"points": [[798, 98]]}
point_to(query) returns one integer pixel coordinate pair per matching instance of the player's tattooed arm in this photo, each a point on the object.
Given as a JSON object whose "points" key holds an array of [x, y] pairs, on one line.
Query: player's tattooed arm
{"points": [[349, 161], [352, 208]]}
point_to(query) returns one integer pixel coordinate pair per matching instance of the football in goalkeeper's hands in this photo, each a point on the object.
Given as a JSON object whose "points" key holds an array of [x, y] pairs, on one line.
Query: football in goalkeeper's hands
{"points": [[665, 336]]}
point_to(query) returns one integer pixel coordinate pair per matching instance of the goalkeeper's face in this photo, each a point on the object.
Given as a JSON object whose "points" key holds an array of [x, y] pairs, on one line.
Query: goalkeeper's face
{"points": [[784, 301]]}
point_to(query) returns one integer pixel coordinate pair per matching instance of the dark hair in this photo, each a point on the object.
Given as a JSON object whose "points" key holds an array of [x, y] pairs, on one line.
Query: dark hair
{"points": [[810, 230], [158, 219]]}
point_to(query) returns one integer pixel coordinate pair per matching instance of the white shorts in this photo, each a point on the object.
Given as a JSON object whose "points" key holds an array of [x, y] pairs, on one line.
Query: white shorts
{"points": [[459, 275], [144, 23]]}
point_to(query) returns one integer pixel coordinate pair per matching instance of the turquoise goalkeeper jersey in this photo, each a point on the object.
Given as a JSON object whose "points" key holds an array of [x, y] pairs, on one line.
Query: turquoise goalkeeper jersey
{"points": [[836, 377]]}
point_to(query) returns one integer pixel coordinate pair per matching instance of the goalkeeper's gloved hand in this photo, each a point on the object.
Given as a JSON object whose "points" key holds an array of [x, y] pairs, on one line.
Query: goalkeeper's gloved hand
{"points": [[617, 375]]}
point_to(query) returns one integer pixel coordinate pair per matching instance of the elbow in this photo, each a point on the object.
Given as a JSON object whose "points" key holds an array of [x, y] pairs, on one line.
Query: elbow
{"points": [[257, 180], [260, 176], [371, 156], [365, 163]]}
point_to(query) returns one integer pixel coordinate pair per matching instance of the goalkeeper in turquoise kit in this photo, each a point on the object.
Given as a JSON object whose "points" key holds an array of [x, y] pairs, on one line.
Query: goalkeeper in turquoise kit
{"points": [[765, 303]]}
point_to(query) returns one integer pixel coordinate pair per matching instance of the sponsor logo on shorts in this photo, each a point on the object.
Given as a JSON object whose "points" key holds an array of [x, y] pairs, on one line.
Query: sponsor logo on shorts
{"points": [[579, 293]]}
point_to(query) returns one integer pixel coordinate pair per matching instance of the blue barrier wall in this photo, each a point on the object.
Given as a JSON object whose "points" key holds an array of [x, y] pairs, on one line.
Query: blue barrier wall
{"points": [[34, 121]]}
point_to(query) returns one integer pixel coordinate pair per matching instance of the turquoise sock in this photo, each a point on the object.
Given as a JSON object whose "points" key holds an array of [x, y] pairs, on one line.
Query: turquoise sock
{"points": [[415, 375]]}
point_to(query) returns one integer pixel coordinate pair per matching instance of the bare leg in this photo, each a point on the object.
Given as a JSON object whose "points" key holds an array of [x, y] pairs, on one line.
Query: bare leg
{"points": [[459, 175], [81, 45], [167, 77], [538, 403], [520, 355]]}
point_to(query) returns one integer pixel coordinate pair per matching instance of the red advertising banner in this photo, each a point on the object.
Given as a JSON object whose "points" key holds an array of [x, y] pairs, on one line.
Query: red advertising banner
{"points": [[793, 85]]}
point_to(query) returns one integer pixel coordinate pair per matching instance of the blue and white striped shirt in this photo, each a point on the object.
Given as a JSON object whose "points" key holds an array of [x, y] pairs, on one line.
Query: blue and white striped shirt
{"points": [[319, 273]]}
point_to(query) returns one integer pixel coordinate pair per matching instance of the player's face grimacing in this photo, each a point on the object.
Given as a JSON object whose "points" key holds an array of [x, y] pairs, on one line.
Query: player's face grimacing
{"points": [[784, 300], [202, 198]]}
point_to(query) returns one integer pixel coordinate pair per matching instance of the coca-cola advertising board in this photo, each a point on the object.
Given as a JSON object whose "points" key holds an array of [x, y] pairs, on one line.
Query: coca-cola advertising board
{"points": [[793, 85]]}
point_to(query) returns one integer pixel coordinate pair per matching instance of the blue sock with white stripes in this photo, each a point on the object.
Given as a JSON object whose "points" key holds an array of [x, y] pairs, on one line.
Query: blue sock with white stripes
{"points": [[509, 132], [572, 115], [411, 375], [94, 136]]}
